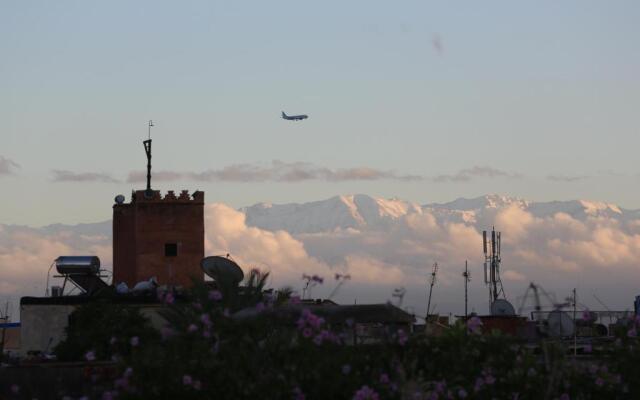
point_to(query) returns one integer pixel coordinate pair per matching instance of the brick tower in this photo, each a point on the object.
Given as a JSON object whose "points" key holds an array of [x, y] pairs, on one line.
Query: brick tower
{"points": [[158, 236]]}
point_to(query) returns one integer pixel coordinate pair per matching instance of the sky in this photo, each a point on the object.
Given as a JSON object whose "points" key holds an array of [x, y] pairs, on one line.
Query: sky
{"points": [[533, 100], [419, 100]]}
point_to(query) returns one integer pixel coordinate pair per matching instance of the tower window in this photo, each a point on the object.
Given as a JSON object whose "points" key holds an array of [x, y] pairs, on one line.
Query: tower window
{"points": [[170, 249]]}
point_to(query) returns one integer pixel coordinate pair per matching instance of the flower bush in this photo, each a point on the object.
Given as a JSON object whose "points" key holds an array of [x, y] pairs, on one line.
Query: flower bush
{"points": [[229, 343]]}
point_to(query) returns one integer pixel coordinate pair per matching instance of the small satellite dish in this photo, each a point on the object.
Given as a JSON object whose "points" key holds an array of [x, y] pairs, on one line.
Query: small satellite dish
{"points": [[119, 199], [502, 307], [222, 269], [560, 324]]}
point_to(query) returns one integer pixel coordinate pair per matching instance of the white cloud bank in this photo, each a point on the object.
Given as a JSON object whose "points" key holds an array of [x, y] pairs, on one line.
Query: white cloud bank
{"points": [[595, 252]]}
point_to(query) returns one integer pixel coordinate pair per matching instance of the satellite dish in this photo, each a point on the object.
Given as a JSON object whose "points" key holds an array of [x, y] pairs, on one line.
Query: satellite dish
{"points": [[502, 307], [560, 324], [119, 199], [222, 269]]}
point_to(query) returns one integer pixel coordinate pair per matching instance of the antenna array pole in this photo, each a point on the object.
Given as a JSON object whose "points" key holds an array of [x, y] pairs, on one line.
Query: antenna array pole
{"points": [[491, 248], [147, 149], [466, 281]]}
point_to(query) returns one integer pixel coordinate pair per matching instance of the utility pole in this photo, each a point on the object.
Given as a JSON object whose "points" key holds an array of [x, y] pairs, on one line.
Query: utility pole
{"points": [[433, 281], [575, 326]]}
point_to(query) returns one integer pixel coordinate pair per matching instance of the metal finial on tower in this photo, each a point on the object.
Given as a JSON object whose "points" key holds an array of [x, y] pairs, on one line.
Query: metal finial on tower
{"points": [[147, 148]]}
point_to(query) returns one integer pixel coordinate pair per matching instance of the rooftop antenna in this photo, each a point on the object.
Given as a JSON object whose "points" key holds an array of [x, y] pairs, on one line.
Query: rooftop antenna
{"points": [[147, 148], [467, 279], [492, 259], [433, 281]]}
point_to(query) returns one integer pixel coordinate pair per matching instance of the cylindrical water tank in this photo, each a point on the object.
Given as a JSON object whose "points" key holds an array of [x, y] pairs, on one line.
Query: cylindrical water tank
{"points": [[86, 265]]}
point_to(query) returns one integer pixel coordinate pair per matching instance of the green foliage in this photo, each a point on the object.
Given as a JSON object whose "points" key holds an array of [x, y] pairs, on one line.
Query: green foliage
{"points": [[236, 343], [105, 329]]}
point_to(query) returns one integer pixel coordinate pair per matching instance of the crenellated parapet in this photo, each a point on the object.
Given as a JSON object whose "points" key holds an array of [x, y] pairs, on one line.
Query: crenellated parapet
{"points": [[140, 196]]}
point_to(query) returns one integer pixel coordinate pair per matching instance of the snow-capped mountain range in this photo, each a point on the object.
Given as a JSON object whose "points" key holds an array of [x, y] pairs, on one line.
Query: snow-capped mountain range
{"points": [[362, 211]]}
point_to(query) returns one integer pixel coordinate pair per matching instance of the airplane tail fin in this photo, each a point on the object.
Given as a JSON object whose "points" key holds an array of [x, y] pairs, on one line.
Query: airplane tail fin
{"points": [[284, 115]]}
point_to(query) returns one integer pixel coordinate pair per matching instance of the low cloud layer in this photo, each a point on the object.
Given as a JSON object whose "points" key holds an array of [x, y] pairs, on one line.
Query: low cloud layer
{"points": [[594, 252], [277, 171], [7, 166], [69, 176], [567, 178], [468, 174]]}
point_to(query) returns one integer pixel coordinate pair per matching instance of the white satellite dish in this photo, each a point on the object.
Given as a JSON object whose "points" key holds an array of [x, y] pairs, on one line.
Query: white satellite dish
{"points": [[560, 324], [222, 269], [502, 307]]}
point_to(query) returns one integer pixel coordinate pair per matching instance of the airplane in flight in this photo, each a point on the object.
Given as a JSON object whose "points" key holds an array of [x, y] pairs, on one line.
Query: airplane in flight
{"points": [[294, 117]]}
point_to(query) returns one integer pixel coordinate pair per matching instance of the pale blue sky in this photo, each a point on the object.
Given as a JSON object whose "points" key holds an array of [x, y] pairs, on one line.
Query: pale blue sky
{"points": [[538, 89]]}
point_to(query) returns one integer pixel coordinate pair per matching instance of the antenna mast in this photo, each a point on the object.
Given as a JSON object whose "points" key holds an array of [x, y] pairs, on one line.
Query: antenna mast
{"points": [[433, 281], [147, 149], [467, 279], [492, 259]]}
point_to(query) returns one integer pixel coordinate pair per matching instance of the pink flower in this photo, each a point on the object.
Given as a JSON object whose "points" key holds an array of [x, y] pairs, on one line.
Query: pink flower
{"points": [[298, 394], [478, 385], [205, 319], [366, 393], [90, 355], [166, 332], [384, 379], [306, 332], [107, 395], [260, 307], [474, 325], [215, 295], [169, 298], [121, 383], [192, 328], [599, 381], [135, 341], [197, 306], [632, 332], [462, 393], [489, 379], [128, 372], [564, 396], [402, 337], [206, 334], [187, 380]]}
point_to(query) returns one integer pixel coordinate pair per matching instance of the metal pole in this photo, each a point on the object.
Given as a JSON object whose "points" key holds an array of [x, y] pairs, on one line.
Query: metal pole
{"points": [[433, 280], [466, 280], [575, 330]]}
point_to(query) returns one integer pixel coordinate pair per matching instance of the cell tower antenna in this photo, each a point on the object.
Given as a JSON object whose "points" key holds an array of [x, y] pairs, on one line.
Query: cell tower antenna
{"points": [[147, 149], [491, 247], [433, 281], [467, 279]]}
